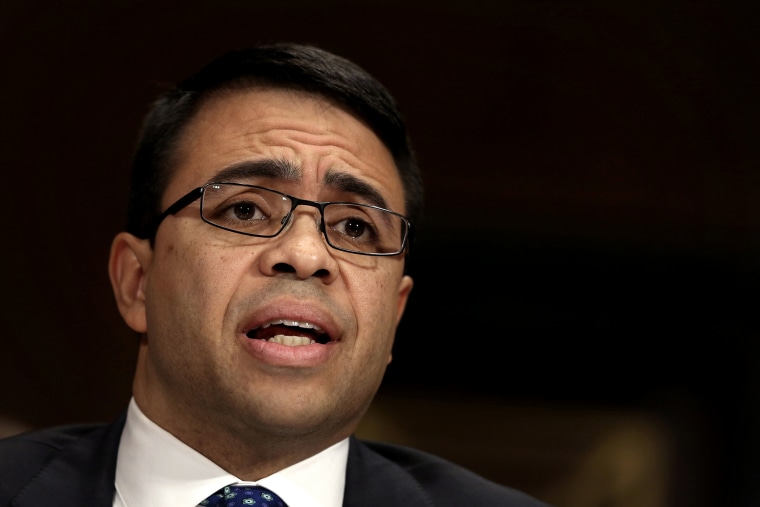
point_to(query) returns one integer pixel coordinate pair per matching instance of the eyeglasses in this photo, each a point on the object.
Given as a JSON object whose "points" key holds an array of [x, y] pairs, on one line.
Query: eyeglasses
{"points": [[251, 210]]}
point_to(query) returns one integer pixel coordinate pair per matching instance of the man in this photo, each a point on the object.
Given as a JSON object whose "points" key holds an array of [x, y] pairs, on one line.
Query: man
{"points": [[270, 216]]}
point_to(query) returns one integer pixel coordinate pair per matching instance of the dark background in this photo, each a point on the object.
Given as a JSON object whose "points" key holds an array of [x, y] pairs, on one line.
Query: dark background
{"points": [[592, 234]]}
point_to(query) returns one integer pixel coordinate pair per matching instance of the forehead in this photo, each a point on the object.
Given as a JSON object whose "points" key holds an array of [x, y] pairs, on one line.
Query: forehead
{"points": [[315, 143]]}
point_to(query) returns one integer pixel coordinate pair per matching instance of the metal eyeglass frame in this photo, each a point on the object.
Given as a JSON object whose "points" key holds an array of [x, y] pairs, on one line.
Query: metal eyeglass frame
{"points": [[197, 193]]}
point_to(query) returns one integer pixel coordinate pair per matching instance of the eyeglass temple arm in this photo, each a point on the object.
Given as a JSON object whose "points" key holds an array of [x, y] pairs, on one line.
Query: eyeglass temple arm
{"points": [[185, 200]]}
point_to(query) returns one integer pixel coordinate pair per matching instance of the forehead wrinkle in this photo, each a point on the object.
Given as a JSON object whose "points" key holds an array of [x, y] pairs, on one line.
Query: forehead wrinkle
{"points": [[349, 183], [279, 169]]}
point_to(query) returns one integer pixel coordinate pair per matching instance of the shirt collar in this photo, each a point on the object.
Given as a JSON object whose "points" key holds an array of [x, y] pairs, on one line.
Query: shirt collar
{"points": [[155, 468]]}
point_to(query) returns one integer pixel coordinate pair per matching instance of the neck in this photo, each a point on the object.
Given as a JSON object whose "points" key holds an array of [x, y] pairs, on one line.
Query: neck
{"points": [[254, 457], [247, 451]]}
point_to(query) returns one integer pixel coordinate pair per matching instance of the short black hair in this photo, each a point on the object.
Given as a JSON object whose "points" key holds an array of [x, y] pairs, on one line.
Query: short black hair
{"points": [[282, 66]]}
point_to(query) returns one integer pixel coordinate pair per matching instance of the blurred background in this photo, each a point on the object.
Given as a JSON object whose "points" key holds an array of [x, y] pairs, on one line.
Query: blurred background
{"points": [[584, 320]]}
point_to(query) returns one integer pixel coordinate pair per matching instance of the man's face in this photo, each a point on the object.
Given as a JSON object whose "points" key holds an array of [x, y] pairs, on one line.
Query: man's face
{"points": [[205, 290]]}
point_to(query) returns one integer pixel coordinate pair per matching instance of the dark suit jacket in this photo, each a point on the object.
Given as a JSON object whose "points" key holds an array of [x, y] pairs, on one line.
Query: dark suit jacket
{"points": [[75, 466]]}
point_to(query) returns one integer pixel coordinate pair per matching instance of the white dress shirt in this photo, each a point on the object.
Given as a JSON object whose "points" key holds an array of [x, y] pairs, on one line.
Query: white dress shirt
{"points": [[155, 468]]}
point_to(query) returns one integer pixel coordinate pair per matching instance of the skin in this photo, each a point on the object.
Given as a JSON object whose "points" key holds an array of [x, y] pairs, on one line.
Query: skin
{"points": [[251, 406]]}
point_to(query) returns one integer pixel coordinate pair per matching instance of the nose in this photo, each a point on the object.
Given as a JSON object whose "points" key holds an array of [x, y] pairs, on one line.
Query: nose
{"points": [[300, 249]]}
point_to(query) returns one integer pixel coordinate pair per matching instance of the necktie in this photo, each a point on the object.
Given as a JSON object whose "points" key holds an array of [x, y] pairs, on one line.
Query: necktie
{"points": [[240, 496]]}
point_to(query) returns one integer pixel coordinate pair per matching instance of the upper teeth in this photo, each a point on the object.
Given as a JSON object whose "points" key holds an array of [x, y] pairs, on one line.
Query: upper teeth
{"points": [[293, 323]]}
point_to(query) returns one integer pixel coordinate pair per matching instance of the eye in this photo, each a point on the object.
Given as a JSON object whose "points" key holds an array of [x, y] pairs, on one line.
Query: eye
{"points": [[353, 227], [244, 208], [240, 214], [245, 211], [350, 224]]}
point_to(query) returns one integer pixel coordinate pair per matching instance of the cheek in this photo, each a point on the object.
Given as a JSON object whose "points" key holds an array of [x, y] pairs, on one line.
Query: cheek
{"points": [[192, 283], [375, 300]]}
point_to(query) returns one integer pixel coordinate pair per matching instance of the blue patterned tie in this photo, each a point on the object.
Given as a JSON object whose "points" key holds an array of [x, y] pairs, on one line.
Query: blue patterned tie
{"points": [[240, 496]]}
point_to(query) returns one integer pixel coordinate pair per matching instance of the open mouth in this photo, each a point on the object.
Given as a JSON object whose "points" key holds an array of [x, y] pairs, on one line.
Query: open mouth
{"points": [[289, 332]]}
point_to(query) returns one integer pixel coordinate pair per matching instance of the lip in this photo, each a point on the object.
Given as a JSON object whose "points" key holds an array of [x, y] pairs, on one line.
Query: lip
{"points": [[301, 356]]}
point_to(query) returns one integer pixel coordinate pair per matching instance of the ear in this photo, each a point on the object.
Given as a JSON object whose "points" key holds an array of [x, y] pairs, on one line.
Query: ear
{"points": [[404, 288], [127, 267]]}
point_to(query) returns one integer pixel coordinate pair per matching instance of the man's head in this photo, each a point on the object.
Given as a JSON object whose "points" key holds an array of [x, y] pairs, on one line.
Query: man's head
{"points": [[266, 341]]}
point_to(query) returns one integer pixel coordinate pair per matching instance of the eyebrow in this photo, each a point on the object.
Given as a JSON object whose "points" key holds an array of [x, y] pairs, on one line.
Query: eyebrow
{"points": [[268, 168], [351, 184], [280, 169]]}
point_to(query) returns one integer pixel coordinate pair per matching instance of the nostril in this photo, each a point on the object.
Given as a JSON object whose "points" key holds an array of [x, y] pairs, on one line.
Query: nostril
{"points": [[284, 267], [320, 273]]}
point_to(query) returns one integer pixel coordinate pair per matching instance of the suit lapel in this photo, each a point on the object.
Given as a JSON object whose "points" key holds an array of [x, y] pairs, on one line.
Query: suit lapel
{"points": [[82, 473], [373, 479]]}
